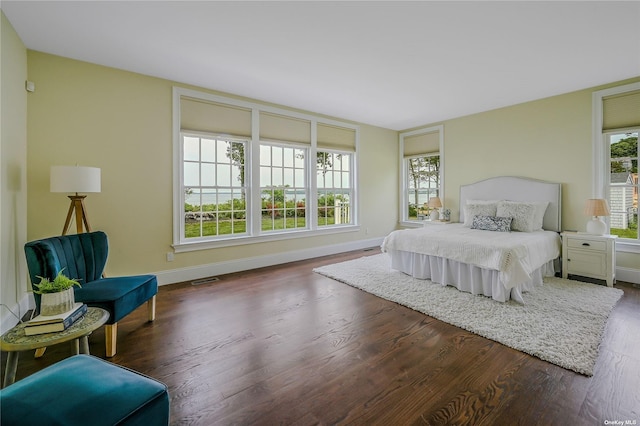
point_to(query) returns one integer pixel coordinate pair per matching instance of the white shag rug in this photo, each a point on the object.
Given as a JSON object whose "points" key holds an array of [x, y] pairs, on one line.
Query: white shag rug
{"points": [[561, 322]]}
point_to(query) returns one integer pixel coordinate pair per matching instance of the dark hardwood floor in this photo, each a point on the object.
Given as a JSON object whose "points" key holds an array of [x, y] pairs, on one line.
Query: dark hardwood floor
{"points": [[283, 345]]}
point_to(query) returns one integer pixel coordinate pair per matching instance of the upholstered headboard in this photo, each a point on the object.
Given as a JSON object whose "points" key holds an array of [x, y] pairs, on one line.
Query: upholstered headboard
{"points": [[517, 189]]}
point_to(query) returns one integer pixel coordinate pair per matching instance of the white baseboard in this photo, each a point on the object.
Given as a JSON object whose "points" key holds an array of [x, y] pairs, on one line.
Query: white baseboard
{"points": [[19, 309], [213, 269], [628, 274]]}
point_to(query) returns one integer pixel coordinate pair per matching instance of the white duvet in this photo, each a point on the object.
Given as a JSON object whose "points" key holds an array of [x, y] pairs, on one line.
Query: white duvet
{"points": [[514, 254]]}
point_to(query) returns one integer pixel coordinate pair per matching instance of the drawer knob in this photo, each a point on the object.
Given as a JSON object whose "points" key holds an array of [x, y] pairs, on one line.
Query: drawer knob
{"points": [[586, 244]]}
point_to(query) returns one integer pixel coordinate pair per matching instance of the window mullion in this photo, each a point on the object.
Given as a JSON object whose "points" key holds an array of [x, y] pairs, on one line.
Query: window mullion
{"points": [[253, 159]]}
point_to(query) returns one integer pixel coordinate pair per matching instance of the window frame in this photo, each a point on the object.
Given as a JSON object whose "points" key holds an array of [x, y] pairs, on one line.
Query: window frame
{"points": [[216, 137], [404, 171], [601, 155], [252, 177], [606, 136], [352, 189], [293, 146]]}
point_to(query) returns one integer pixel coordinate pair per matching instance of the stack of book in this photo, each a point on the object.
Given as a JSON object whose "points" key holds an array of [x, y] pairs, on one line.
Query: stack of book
{"points": [[54, 323]]}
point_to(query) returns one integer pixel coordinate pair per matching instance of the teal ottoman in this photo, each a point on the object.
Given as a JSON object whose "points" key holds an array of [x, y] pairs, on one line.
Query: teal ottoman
{"points": [[85, 390]]}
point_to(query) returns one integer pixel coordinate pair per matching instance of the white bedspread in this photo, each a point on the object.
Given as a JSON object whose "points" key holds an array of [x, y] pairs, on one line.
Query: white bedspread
{"points": [[514, 254]]}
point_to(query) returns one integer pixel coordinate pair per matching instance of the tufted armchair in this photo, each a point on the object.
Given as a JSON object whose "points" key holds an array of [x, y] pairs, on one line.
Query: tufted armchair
{"points": [[84, 256]]}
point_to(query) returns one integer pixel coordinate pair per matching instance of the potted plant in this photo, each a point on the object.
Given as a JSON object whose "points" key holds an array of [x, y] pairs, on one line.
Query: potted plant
{"points": [[57, 296]]}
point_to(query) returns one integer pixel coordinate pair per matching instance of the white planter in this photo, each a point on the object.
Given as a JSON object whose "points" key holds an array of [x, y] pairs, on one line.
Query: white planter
{"points": [[57, 303]]}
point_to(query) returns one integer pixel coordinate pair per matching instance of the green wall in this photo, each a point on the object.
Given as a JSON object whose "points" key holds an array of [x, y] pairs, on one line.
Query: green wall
{"points": [[13, 176], [121, 122], [548, 139]]}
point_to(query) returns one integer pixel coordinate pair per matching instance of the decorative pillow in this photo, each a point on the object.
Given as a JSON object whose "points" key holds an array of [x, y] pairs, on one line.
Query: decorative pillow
{"points": [[527, 217], [541, 209], [492, 223], [485, 209]]}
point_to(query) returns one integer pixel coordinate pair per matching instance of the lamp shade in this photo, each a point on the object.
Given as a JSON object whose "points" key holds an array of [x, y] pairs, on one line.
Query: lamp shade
{"points": [[596, 207], [74, 179], [435, 203]]}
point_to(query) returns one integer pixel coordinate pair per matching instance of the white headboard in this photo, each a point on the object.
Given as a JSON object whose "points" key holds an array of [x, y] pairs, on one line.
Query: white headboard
{"points": [[517, 189]]}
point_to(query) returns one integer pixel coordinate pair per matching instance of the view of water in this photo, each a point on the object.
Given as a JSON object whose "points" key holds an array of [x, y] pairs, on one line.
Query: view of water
{"points": [[224, 196]]}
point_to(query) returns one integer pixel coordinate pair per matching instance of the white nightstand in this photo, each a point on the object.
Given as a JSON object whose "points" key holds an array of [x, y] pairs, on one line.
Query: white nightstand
{"points": [[592, 256]]}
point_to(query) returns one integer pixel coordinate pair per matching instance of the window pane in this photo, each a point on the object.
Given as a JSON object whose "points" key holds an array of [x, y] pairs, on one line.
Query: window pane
{"points": [[223, 150], [299, 158], [236, 176], [276, 156], [276, 176], [191, 174], [265, 155], [334, 195], [208, 174], [299, 177], [224, 175], [208, 150], [282, 189], [210, 207], [191, 149], [623, 185], [288, 157], [288, 177], [265, 176], [423, 182]]}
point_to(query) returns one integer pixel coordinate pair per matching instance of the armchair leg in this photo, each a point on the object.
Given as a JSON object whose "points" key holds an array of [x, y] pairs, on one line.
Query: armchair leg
{"points": [[110, 337], [151, 308]]}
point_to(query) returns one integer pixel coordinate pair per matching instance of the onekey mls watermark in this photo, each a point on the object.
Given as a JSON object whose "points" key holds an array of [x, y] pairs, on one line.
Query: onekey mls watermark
{"points": [[620, 422]]}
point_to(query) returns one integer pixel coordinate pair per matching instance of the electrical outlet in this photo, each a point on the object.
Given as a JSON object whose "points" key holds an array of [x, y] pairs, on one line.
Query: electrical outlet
{"points": [[366, 231], [170, 256]]}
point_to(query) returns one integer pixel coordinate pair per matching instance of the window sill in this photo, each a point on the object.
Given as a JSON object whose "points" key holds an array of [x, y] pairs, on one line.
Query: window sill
{"points": [[628, 246], [243, 240]]}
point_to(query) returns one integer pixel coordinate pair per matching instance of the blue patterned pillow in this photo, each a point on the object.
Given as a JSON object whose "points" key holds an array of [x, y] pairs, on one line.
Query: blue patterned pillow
{"points": [[492, 223]]}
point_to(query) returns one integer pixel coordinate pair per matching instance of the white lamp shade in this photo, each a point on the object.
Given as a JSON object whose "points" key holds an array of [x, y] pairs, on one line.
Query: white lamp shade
{"points": [[74, 179], [596, 207], [435, 203]]}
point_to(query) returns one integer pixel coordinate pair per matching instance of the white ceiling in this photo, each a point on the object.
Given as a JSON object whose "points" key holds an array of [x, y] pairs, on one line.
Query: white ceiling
{"points": [[392, 64]]}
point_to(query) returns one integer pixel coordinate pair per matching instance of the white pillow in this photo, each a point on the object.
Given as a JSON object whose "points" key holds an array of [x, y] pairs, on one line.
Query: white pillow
{"points": [[527, 217], [481, 209]]}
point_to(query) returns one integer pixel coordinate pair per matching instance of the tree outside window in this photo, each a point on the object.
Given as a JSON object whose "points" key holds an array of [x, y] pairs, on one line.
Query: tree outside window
{"points": [[423, 175]]}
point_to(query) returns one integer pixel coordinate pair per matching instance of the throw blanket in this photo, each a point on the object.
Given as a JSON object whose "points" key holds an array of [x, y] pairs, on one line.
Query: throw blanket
{"points": [[514, 254]]}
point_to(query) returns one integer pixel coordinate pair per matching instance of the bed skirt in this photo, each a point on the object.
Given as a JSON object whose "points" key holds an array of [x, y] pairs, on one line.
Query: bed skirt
{"points": [[468, 278]]}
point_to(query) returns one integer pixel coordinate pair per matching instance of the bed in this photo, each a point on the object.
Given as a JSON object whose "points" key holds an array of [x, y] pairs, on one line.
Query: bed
{"points": [[474, 259]]}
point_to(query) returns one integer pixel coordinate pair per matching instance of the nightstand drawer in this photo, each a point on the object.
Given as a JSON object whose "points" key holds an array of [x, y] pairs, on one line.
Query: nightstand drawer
{"points": [[587, 262], [581, 243]]}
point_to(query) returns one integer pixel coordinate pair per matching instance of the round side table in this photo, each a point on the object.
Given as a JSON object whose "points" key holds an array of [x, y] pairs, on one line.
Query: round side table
{"points": [[14, 340]]}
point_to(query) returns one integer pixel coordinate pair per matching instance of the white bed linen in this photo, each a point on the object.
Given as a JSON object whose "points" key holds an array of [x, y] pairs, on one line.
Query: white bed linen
{"points": [[515, 257], [468, 278]]}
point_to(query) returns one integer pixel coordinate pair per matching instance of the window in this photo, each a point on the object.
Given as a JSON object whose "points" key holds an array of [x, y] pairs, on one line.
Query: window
{"points": [[244, 173], [616, 124], [622, 193], [422, 155], [283, 187], [335, 189], [423, 183], [214, 192]]}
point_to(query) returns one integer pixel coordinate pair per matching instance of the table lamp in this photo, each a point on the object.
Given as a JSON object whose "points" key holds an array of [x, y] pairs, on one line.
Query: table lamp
{"points": [[596, 207], [435, 204], [75, 179]]}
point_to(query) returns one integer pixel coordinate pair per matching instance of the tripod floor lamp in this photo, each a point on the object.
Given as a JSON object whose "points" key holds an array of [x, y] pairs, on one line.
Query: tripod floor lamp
{"points": [[75, 179]]}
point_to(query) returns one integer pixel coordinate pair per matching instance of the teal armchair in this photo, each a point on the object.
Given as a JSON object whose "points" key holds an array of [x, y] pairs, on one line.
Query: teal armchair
{"points": [[84, 256]]}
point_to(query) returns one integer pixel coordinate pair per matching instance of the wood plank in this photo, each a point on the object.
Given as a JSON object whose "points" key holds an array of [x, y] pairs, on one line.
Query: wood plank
{"points": [[283, 345]]}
